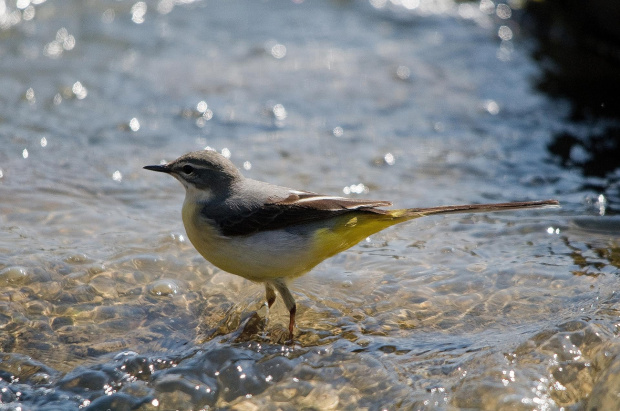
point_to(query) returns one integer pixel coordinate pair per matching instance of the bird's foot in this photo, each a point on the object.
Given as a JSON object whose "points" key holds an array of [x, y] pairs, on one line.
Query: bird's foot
{"points": [[280, 335]]}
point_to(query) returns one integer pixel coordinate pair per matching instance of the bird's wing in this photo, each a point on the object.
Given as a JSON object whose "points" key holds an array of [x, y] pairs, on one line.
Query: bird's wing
{"points": [[298, 208]]}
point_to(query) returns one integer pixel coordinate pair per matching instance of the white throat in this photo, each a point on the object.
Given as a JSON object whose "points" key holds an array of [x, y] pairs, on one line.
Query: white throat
{"points": [[195, 195]]}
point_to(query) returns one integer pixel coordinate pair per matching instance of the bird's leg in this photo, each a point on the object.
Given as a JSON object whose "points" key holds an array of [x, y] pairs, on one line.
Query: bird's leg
{"points": [[291, 321], [270, 294], [289, 301]]}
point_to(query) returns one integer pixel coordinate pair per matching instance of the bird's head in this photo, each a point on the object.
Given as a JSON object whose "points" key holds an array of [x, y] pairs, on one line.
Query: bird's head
{"points": [[205, 171]]}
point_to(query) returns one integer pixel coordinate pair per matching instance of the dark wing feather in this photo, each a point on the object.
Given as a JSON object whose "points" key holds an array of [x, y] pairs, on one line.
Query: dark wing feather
{"points": [[305, 208]]}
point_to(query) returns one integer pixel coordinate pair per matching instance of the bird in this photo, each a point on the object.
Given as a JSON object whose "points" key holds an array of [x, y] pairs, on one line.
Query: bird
{"points": [[271, 234]]}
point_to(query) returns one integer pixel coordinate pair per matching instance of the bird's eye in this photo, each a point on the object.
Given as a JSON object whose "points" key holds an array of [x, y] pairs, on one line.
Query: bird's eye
{"points": [[187, 169]]}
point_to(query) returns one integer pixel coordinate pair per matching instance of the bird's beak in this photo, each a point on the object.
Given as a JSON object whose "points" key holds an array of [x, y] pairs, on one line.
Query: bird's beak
{"points": [[162, 168]]}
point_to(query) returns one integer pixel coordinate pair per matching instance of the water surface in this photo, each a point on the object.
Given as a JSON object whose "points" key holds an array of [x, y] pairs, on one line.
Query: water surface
{"points": [[104, 302]]}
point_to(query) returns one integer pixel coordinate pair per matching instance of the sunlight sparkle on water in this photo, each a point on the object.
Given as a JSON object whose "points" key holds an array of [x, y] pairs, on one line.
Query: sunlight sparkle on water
{"points": [[207, 114], [134, 124], [503, 11], [279, 112], [505, 33], [355, 189], [63, 41], [278, 51], [79, 90], [202, 106], [30, 96], [491, 107], [138, 11], [403, 72], [601, 204], [410, 4]]}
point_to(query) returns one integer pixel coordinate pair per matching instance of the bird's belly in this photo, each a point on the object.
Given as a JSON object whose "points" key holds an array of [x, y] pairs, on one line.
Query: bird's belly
{"points": [[261, 256], [257, 257]]}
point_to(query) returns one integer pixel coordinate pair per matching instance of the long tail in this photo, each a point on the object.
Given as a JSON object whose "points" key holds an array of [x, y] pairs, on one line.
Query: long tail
{"points": [[349, 231], [473, 208]]}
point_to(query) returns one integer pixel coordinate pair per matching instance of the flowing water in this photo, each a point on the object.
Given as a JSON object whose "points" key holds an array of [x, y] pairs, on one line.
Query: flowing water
{"points": [[105, 304]]}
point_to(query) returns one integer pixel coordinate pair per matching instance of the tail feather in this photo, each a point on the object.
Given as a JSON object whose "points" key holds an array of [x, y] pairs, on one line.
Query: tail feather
{"points": [[348, 231], [474, 208]]}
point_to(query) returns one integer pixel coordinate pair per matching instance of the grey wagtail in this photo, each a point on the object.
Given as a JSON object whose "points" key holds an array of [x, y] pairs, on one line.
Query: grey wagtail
{"points": [[271, 234]]}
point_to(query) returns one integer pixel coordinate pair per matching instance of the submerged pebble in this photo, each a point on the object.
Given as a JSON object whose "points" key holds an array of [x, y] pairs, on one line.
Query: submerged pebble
{"points": [[15, 276], [164, 287]]}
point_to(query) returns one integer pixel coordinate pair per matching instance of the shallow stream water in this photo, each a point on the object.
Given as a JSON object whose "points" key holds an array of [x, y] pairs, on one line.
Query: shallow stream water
{"points": [[104, 303]]}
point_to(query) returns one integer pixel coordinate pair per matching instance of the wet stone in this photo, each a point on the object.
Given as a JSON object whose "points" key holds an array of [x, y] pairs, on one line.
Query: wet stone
{"points": [[7, 342], [77, 259], [146, 263], [95, 269], [84, 293], [15, 276], [59, 322], [106, 313], [119, 402], [40, 378], [37, 307], [240, 379], [133, 277], [604, 395], [4, 320], [70, 334], [60, 267], [164, 287], [576, 380], [104, 285], [82, 380], [17, 366], [181, 389], [67, 298], [7, 396], [72, 338], [573, 326], [123, 290], [106, 347], [137, 366], [323, 398], [283, 393]]}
